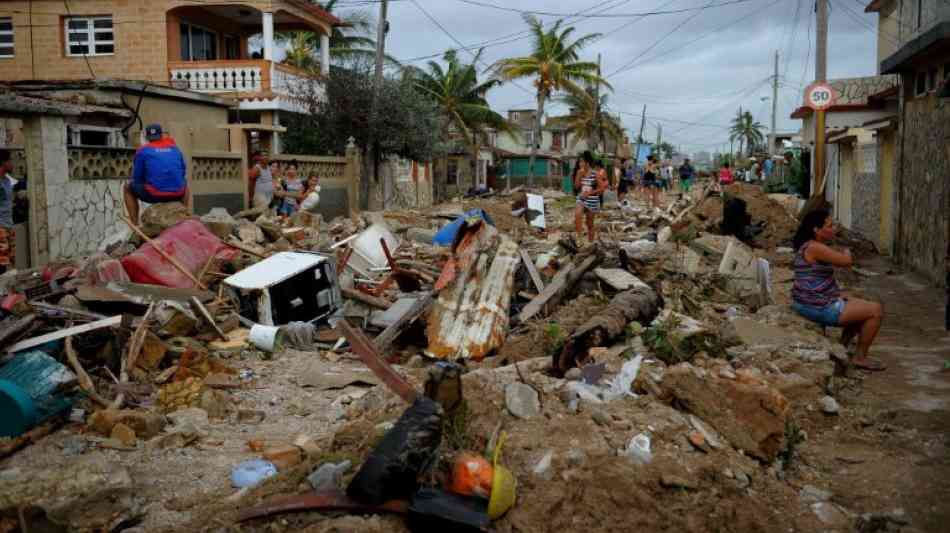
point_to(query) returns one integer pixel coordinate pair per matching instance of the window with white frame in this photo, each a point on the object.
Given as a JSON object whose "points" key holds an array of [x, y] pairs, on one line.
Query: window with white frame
{"points": [[529, 138], [6, 37], [89, 36]]}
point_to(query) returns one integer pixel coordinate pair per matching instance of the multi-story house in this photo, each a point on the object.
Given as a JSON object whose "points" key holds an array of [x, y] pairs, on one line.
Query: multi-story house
{"points": [[220, 48], [914, 44]]}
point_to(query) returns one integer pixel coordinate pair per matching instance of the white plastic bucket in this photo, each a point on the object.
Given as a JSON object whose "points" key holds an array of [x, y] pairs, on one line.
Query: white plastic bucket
{"points": [[265, 337]]}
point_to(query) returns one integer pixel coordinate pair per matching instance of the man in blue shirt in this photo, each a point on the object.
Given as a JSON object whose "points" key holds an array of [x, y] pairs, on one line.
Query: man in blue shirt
{"points": [[158, 174]]}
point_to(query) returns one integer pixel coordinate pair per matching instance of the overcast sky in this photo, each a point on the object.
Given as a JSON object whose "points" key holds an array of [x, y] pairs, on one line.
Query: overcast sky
{"points": [[703, 82]]}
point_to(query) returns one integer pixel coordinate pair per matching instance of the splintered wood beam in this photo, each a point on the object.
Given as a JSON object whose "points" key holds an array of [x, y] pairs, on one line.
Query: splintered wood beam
{"points": [[373, 360], [562, 283], [532, 271]]}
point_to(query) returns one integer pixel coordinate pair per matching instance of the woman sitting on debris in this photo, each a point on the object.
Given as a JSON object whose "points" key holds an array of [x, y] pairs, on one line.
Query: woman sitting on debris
{"points": [[817, 296], [591, 185]]}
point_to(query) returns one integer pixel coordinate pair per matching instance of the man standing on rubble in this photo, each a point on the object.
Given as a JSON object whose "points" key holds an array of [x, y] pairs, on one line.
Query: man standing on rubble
{"points": [[7, 234], [686, 176], [159, 174]]}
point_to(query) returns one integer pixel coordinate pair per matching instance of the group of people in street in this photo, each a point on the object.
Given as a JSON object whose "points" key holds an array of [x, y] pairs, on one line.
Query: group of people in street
{"points": [[160, 175], [280, 187], [590, 181]]}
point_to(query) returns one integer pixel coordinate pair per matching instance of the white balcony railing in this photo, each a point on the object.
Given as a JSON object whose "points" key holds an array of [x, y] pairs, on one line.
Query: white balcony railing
{"points": [[221, 76]]}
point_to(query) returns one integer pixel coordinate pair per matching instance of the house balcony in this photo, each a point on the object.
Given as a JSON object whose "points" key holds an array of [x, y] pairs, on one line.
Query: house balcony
{"points": [[257, 84], [210, 50]]}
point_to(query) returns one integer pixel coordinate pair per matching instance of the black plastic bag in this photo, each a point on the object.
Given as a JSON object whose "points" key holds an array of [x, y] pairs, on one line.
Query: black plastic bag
{"points": [[392, 469], [437, 511]]}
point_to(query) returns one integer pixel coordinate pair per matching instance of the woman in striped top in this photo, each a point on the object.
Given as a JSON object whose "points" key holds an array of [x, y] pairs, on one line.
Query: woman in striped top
{"points": [[591, 185], [817, 297]]}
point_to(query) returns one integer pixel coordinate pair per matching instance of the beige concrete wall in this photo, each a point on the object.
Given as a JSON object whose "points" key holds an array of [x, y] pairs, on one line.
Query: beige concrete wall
{"points": [[141, 30], [845, 184]]}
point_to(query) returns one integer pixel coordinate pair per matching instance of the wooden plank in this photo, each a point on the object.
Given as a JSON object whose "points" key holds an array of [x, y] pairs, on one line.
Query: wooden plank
{"points": [[54, 310], [372, 358], [232, 242], [386, 338], [532, 271], [551, 296], [203, 312], [110, 322], [372, 301], [16, 329]]}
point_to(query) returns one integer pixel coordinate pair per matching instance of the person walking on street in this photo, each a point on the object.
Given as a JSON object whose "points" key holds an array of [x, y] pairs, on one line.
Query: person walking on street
{"points": [[591, 185], [625, 178], [725, 175], [260, 182], [159, 174], [7, 232], [686, 176], [651, 183]]}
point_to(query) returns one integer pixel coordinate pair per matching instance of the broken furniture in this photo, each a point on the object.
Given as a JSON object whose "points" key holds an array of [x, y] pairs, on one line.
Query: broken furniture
{"points": [[288, 287]]}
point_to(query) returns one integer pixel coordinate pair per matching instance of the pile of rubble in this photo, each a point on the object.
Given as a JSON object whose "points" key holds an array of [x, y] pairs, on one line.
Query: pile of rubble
{"points": [[515, 376]]}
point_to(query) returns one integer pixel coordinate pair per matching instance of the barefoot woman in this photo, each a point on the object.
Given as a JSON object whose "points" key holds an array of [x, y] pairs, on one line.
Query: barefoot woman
{"points": [[817, 296]]}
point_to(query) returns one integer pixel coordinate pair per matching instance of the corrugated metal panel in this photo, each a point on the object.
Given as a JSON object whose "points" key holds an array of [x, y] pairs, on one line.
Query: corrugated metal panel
{"points": [[273, 270], [470, 318]]}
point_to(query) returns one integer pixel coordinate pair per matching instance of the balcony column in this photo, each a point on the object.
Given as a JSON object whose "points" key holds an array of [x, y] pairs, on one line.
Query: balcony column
{"points": [[268, 24], [324, 54]]}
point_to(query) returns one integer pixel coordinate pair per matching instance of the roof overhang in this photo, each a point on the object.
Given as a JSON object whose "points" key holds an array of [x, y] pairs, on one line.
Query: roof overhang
{"points": [[804, 112], [926, 43], [880, 124], [128, 87], [842, 138]]}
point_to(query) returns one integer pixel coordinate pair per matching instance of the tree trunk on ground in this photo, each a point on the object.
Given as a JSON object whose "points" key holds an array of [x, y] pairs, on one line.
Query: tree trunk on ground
{"points": [[640, 304], [537, 139]]}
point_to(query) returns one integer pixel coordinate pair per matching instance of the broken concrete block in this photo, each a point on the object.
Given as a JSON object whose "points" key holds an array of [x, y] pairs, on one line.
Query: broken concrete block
{"points": [[522, 400], [220, 222], [124, 434], [91, 493], [751, 417], [284, 457], [420, 235], [144, 423], [618, 279], [250, 233], [153, 352], [159, 217], [664, 235]]}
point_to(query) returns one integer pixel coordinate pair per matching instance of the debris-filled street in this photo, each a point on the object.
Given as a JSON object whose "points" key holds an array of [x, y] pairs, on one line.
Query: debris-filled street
{"points": [[467, 368]]}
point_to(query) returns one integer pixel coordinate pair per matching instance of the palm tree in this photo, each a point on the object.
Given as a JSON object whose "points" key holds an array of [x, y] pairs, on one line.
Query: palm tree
{"points": [[352, 40], [457, 92], [586, 119], [554, 64], [667, 149], [746, 130], [300, 53]]}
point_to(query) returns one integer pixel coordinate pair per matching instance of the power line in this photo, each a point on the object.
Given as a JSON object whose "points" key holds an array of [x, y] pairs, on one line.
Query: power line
{"points": [[88, 46], [807, 54], [449, 34], [658, 41], [707, 34], [517, 36], [612, 15]]}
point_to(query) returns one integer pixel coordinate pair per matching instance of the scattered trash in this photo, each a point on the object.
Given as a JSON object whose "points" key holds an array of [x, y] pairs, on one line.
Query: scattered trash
{"points": [[639, 449], [392, 469], [328, 476], [288, 287], [251, 473]]}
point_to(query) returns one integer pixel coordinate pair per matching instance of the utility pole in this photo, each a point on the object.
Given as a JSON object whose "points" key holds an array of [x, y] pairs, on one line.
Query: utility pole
{"points": [[821, 75], [600, 133], [772, 137], [377, 86], [659, 137], [643, 122]]}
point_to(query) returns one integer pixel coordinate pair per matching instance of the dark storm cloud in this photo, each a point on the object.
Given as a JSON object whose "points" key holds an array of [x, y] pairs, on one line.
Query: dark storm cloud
{"points": [[705, 81]]}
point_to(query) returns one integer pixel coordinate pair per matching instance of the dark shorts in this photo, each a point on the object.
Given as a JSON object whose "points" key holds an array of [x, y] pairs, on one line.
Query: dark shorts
{"points": [[143, 194], [623, 186]]}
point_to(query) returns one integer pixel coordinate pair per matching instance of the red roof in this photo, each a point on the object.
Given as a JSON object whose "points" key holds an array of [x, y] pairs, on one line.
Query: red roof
{"points": [[318, 11]]}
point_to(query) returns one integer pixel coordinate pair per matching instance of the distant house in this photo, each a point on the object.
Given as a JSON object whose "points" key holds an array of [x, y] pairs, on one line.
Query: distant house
{"points": [[914, 45]]}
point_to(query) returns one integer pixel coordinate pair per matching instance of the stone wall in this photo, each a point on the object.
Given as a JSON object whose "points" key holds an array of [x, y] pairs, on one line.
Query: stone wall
{"points": [[412, 185], [866, 198], [924, 182]]}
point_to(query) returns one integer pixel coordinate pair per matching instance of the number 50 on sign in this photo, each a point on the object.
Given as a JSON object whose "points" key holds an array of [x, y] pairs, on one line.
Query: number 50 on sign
{"points": [[819, 96]]}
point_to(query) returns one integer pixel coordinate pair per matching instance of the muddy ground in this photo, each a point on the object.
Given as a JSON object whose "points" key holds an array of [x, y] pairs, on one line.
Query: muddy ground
{"points": [[881, 464]]}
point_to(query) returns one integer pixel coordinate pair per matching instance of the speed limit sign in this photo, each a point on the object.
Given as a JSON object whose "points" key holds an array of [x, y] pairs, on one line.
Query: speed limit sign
{"points": [[819, 96]]}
